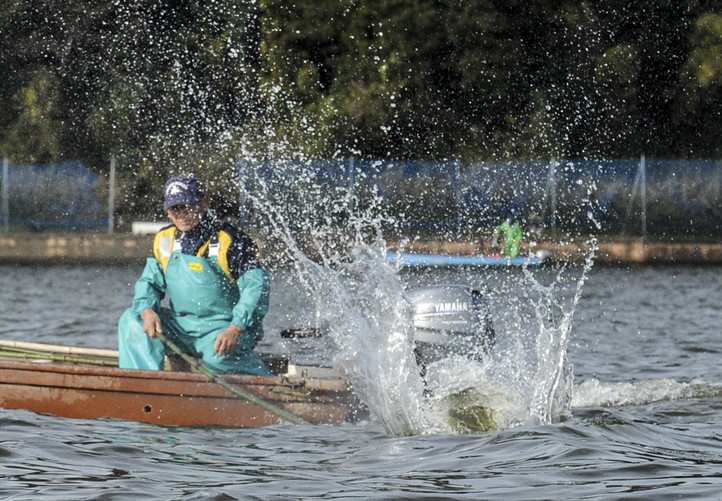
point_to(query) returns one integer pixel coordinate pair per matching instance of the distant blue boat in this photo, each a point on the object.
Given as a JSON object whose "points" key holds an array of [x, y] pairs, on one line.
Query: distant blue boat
{"points": [[431, 260]]}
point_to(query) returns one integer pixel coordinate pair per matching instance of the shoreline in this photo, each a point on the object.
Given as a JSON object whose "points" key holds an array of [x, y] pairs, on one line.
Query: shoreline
{"points": [[53, 248]]}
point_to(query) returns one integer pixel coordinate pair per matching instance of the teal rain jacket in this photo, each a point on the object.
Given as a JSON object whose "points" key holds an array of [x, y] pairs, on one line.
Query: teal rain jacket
{"points": [[204, 300]]}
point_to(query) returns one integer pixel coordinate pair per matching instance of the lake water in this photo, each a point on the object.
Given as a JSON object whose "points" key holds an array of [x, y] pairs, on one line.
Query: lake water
{"points": [[646, 411]]}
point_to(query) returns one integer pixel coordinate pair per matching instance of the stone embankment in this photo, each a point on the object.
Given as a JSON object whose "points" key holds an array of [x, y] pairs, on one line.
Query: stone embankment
{"points": [[51, 248]]}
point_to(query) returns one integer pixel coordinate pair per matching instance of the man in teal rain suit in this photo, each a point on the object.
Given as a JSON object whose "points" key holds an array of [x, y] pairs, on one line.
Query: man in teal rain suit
{"points": [[217, 289]]}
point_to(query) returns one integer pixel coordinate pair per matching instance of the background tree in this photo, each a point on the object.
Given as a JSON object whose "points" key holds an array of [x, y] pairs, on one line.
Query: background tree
{"points": [[166, 86]]}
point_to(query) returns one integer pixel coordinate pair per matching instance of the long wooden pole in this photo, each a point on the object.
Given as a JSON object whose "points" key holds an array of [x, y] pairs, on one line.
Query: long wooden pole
{"points": [[52, 348], [198, 365], [24, 354]]}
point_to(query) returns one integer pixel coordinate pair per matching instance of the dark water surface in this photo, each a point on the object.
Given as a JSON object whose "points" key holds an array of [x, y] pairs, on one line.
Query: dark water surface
{"points": [[646, 420]]}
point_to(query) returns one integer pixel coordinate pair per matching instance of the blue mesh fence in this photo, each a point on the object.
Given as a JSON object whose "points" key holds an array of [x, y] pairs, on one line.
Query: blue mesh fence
{"points": [[51, 196], [632, 196]]}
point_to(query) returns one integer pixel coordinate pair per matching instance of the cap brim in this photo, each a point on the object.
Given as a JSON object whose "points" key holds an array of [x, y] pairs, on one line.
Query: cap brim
{"points": [[174, 202]]}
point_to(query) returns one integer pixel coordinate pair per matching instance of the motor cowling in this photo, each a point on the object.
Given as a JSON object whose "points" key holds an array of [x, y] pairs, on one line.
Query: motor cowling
{"points": [[450, 320]]}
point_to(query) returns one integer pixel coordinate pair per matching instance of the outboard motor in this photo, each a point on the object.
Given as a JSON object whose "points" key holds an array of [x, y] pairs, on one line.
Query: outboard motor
{"points": [[450, 320]]}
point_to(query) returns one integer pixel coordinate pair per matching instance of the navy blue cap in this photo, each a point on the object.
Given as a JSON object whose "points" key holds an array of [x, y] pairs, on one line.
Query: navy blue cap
{"points": [[186, 189]]}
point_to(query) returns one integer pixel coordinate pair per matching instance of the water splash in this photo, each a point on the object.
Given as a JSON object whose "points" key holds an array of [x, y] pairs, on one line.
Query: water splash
{"points": [[593, 393], [527, 378], [335, 243], [554, 378], [357, 295]]}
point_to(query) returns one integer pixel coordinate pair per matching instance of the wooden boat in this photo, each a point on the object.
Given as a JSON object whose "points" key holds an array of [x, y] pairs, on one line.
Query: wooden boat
{"points": [[58, 383], [440, 260]]}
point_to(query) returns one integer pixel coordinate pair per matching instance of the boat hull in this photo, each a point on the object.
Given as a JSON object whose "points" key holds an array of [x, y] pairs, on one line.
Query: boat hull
{"points": [[167, 398]]}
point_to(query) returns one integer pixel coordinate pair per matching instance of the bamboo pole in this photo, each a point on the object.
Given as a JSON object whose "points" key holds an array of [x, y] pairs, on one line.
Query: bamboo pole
{"points": [[22, 354], [53, 348]]}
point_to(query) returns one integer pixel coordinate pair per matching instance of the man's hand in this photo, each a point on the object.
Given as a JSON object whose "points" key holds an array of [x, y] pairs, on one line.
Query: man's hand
{"points": [[227, 340], [151, 322]]}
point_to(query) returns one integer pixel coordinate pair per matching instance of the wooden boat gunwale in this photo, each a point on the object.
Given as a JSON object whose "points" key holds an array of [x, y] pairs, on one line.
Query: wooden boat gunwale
{"points": [[170, 398]]}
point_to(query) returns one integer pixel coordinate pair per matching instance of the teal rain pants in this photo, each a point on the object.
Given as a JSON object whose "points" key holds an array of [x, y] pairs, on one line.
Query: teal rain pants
{"points": [[203, 301]]}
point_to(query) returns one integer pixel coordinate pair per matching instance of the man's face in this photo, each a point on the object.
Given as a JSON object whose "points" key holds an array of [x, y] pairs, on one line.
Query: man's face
{"points": [[187, 217]]}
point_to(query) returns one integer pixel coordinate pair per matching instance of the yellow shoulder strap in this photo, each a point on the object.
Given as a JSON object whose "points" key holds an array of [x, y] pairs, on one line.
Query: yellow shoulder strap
{"points": [[203, 249], [225, 241], [163, 245], [165, 240]]}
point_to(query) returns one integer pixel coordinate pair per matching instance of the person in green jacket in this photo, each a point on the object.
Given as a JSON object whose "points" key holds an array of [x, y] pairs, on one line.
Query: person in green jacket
{"points": [[218, 292], [512, 234]]}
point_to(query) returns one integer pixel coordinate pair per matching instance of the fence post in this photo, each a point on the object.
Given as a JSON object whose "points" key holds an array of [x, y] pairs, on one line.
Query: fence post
{"points": [[6, 194], [643, 193], [111, 196], [640, 182], [551, 189], [457, 198], [351, 183]]}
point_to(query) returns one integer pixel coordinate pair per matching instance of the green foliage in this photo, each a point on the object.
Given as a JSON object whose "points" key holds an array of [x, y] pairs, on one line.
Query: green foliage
{"points": [[705, 59], [34, 136], [698, 111], [166, 86]]}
